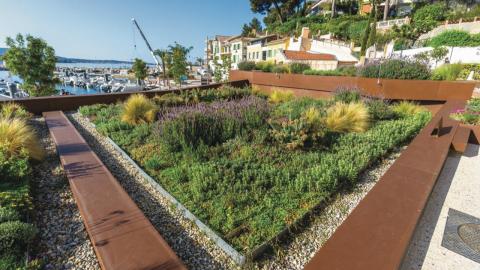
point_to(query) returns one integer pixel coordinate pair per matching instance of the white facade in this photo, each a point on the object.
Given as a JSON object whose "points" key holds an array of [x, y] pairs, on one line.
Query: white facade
{"points": [[463, 55]]}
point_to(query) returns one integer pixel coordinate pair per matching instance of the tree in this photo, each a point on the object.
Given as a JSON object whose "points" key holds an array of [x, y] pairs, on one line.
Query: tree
{"points": [[427, 17], [265, 6], [34, 61], [221, 69], [282, 9], [438, 53], [248, 29], [366, 35], [140, 70], [166, 59], [385, 10], [179, 66], [373, 33], [199, 61], [333, 8]]}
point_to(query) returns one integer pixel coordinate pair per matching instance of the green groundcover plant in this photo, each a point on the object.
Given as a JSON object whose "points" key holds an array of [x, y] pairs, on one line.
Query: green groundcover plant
{"points": [[250, 168], [18, 147]]}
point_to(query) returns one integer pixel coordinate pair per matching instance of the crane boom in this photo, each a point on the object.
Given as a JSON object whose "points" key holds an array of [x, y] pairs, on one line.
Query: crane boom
{"points": [[148, 44]]}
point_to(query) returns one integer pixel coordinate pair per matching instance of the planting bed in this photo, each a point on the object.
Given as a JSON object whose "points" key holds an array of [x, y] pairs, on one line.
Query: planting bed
{"points": [[250, 167]]}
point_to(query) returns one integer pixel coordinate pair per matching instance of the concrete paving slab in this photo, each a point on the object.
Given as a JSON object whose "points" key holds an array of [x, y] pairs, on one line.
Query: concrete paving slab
{"points": [[457, 190]]}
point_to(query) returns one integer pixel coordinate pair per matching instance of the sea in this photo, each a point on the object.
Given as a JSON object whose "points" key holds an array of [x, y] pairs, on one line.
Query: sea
{"points": [[5, 75]]}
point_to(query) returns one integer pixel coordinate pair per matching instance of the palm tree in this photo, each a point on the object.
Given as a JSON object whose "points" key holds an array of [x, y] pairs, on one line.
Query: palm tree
{"points": [[385, 10], [164, 55]]}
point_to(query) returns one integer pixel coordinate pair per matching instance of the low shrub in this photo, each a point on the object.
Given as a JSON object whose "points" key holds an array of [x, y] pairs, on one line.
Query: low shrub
{"points": [[15, 236], [246, 65], [155, 163], [16, 136], [470, 115], [455, 38], [113, 125], [280, 69], [379, 109], [294, 108], [279, 96], [210, 124], [347, 95], [170, 99], [264, 66], [427, 17], [467, 69], [447, 72], [352, 117], [8, 214], [296, 133], [13, 167], [342, 71], [13, 110], [396, 69], [138, 109], [406, 108], [298, 68], [91, 110]]}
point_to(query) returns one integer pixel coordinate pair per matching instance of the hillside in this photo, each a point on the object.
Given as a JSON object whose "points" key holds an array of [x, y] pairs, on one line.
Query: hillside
{"points": [[61, 59]]}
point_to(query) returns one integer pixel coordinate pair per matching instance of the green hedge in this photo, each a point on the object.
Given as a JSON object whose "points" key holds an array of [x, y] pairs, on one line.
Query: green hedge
{"points": [[455, 38], [396, 69]]}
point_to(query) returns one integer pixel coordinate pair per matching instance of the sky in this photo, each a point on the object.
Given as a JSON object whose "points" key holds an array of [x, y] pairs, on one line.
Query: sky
{"points": [[102, 29]]}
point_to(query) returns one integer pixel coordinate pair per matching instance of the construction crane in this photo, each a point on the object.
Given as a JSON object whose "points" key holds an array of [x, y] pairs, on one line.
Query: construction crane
{"points": [[148, 45]]}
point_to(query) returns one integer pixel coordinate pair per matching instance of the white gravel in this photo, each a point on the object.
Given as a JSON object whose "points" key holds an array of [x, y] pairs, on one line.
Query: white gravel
{"points": [[63, 241], [198, 251]]}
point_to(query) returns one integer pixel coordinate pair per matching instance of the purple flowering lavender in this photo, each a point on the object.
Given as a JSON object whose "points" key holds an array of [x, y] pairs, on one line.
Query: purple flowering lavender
{"points": [[233, 108], [210, 123]]}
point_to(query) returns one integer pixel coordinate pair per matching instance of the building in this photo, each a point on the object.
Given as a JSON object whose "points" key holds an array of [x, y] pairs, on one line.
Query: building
{"points": [[216, 47], [257, 50], [318, 61], [238, 49]]}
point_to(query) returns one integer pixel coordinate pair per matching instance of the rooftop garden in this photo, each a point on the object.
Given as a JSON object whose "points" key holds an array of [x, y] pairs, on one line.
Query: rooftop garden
{"points": [[250, 165], [470, 115]]}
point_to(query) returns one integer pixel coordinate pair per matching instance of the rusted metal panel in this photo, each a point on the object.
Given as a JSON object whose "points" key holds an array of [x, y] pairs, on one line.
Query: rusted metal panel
{"points": [[474, 133], [121, 235], [460, 141], [37, 105], [386, 88], [376, 235]]}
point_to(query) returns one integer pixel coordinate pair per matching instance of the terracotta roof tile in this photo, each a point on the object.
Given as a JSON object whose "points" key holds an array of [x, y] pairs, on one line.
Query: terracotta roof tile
{"points": [[299, 55]]}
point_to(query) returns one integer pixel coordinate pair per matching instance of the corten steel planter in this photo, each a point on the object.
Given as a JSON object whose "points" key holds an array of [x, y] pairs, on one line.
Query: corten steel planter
{"points": [[474, 133], [324, 86], [37, 105]]}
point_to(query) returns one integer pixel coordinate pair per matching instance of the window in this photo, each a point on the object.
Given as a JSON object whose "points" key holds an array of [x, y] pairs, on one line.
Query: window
{"points": [[257, 55], [269, 54]]}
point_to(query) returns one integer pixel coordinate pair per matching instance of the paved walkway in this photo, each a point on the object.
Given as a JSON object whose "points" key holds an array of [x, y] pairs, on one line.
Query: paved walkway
{"points": [[455, 198]]}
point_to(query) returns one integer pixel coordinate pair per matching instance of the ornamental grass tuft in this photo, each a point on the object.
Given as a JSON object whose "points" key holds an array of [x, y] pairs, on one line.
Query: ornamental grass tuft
{"points": [[13, 110], [406, 108], [344, 118], [278, 96], [139, 109], [16, 135]]}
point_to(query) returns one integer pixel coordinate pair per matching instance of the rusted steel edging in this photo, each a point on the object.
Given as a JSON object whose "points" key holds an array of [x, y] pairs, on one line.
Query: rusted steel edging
{"points": [[387, 88], [37, 105], [222, 244], [121, 235], [377, 234]]}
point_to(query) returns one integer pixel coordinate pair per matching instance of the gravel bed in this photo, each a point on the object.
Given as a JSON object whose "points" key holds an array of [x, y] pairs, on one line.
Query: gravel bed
{"points": [[63, 242], [197, 250]]}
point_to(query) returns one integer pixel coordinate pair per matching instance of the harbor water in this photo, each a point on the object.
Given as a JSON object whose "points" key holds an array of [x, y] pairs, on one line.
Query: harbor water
{"points": [[5, 75]]}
